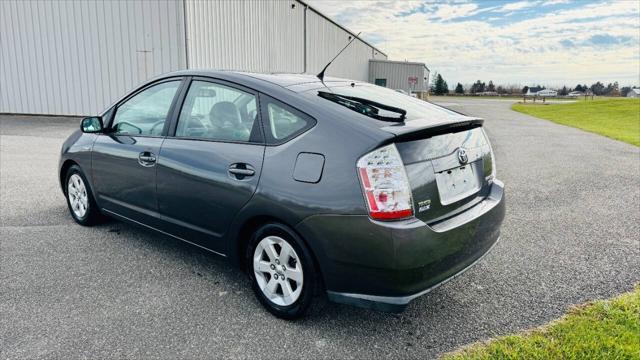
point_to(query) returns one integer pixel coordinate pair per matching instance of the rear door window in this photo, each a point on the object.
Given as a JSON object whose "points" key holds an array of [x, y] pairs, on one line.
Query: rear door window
{"points": [[218, 112]]}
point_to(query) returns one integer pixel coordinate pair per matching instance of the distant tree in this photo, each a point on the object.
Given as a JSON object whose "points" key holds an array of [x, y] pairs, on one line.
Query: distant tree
{"points": [[440, 86], [598, 88], [525, 89], [613, 89], [478, 87], [503, 89], [459, 89], [434, 79], [625, 90], [491, 87], [608, 89], [474, 87], [564, 91], [513, 89], [579, 88]]}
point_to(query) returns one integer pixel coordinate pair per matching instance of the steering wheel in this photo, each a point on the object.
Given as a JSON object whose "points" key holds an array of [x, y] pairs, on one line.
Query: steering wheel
{"points": [[153, 127], [128, 124]]}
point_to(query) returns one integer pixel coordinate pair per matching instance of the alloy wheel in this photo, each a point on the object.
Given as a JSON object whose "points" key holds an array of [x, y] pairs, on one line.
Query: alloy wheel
{"points": [[78, 197], [278, 270]]}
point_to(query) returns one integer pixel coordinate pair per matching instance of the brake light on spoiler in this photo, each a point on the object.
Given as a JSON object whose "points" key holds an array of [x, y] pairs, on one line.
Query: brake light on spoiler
{"points": [[385, 184]]}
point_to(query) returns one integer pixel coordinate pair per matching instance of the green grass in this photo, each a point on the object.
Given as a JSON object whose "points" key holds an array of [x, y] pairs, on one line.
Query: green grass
{"points": [[604, 329], [617, 118]]}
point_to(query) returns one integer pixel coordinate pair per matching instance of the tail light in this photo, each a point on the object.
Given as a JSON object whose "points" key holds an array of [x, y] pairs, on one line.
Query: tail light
{"points": [[493, 166], [385, 184], [493, 159]]}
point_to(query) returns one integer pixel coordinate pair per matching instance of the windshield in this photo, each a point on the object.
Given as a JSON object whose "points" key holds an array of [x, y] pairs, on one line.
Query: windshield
{"points": [[415, 108]]}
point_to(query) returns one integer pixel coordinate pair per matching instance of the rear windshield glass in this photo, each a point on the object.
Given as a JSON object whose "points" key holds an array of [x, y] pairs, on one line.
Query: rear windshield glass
{"points": [[415, 108]]}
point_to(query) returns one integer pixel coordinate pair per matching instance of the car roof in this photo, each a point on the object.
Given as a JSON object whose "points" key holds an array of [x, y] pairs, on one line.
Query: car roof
{"points": [[285, 80], [282, 85], [291, 79]]}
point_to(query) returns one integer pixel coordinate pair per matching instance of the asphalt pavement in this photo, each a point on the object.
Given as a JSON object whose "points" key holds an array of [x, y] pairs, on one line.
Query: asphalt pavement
{"points": [[571, 234]]}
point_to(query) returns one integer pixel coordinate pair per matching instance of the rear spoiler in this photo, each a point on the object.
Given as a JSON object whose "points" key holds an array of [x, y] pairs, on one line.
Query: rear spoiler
{"points": [[413, 130]]}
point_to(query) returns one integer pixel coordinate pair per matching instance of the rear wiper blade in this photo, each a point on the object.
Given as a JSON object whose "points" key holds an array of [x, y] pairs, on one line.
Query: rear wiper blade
{"points": [[365, 106]]}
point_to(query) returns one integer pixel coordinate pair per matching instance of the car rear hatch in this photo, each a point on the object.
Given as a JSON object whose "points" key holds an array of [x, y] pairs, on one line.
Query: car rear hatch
{"points": [[446, 155], [448, 165]]}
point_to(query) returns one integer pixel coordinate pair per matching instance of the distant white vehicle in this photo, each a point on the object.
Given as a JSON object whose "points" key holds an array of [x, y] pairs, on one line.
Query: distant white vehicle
{"points": [[541, 92], [547, 93], [575, 94]]}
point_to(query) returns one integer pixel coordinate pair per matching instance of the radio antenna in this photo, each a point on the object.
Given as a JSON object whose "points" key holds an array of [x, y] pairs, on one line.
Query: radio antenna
{"points": [[321, 74]]}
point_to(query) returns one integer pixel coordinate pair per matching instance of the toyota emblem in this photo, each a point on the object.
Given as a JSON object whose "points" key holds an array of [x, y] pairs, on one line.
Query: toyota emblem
{"points": [[462, 156]]}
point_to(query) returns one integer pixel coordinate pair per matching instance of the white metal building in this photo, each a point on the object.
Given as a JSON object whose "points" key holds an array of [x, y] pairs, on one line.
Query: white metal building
{"points": [[634, 93], [408, 76], [76, 57]]}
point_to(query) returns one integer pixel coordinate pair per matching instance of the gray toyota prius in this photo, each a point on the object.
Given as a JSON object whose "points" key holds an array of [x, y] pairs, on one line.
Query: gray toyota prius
{"points": [[312, 187]]}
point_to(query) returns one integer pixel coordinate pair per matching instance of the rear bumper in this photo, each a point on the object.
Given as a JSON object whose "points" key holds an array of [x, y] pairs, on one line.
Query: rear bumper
{"points": [[392, 303], [385, 265]]}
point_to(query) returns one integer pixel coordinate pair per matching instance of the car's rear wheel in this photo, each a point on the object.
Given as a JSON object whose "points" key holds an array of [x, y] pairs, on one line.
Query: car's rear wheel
{"points": [[282, 271], [81, 204]]}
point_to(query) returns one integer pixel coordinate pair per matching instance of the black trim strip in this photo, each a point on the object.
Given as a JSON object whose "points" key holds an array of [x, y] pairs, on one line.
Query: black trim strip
{"points": [[162, 232]]}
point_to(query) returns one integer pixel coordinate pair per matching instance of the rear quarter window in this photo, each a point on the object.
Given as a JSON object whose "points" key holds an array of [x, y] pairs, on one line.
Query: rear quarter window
{"points": [[282, 122]]}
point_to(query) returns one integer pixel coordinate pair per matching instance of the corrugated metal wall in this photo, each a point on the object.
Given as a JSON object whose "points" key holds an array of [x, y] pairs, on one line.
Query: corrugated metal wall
{"points": [[268, 36], [325, 40], [397, 74], [76, 57], [260, 36]]}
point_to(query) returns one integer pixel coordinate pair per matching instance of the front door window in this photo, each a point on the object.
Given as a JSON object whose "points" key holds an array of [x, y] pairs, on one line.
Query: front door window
{"points": [[146, 112]]}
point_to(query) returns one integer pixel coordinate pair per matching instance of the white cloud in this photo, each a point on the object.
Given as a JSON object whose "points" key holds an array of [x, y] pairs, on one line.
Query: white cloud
{"points": [[448, 12], [516, 6], [531, 50], [555, 2]]}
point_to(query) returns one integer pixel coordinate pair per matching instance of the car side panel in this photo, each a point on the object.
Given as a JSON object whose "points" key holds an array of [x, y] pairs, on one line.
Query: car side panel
{"points": [[122, 184], [77, 148], [281, 197], [197, 196]]}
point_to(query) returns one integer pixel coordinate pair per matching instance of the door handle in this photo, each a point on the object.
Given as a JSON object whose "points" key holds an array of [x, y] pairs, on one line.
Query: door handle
{"points": [[147, 159], [245, 172], [241, 170]]}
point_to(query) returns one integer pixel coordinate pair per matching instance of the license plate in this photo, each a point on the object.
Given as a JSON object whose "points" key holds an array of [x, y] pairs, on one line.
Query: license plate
{"points": [[456, 184]]}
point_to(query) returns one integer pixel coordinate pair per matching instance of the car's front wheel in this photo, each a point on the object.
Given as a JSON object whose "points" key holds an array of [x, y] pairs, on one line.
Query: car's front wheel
{"points": [[81, 204], [282, 271]]}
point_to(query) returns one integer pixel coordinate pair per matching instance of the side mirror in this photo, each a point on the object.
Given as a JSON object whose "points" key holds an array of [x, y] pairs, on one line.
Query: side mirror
{"points": [[91, 124]]}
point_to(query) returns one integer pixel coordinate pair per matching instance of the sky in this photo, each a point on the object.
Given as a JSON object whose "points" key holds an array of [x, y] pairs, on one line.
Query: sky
{"points": [[547, 42]]}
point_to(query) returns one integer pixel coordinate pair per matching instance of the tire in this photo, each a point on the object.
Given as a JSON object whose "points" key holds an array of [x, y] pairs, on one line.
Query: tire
{"points": [[289, 296], [80, 201]]}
